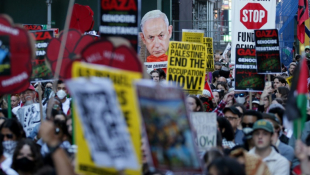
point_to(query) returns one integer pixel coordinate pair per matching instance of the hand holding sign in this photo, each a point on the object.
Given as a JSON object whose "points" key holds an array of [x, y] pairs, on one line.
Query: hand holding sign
{"points": [[16, 52]]}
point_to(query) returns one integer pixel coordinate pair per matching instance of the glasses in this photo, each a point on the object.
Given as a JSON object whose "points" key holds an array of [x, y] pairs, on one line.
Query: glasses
{"points": [[9, 136], [250, 125], [230, 118], [240, 95]]}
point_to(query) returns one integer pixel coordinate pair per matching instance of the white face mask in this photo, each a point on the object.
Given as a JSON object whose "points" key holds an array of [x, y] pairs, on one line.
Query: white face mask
{"points": [[240, 100], [9, 146], [61, 94]]}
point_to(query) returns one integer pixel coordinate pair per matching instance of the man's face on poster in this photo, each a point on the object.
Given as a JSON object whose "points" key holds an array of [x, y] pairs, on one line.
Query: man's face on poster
{"points": [[156, 35]]}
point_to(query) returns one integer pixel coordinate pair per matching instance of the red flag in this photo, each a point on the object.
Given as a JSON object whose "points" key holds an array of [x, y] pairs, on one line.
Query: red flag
{"points": [[302, 16], [207, 87]]}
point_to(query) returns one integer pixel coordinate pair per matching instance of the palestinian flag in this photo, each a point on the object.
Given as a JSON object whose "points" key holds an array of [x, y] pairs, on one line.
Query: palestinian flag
{"points": [[296, 107], [302, 16]]}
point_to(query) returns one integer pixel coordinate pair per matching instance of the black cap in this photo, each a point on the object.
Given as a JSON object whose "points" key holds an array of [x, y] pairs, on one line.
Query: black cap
{"points": [[271, 117], [232, 109]]}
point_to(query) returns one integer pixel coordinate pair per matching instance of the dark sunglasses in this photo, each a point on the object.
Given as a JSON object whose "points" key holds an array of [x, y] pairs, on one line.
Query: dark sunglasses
{"points": [[9, 136], [240, 95], [250, 125]]}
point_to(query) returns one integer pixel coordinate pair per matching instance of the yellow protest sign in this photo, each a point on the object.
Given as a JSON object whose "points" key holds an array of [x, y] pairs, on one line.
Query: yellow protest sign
{"points": [[187, 65], [208, 42], [289, 80], [123, 85], [193, 36]]}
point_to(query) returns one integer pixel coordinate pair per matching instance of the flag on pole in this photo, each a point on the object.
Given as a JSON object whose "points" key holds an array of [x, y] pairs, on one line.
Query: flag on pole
{"points": [[297, 99], [302, 16]]}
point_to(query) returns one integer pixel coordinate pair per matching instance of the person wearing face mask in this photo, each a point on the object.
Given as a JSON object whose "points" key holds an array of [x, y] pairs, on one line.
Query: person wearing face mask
{"points": [[247, 122], [62, 95], [240, 97], [5, 164], [48, 92], [26, 158], [11, 132], [29, 114]]}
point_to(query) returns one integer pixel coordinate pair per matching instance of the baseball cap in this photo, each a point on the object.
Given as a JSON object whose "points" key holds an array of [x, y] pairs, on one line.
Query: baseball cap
{"points": [[31, 88], [206, 92], [263, 124], [232, 109], [271, 117]]}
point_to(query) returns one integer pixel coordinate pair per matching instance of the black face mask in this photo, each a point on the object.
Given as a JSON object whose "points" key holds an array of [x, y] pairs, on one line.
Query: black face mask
{"points": [[47, 92], [25, 165]]}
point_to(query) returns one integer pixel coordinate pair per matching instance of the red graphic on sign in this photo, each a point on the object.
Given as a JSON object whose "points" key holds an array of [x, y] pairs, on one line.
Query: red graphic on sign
{"points": [[74, 45], [253, 16]]}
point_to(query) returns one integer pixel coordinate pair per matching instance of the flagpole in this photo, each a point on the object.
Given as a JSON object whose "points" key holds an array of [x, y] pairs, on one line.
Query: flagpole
{"points": [[250, 99], [271, 87]]}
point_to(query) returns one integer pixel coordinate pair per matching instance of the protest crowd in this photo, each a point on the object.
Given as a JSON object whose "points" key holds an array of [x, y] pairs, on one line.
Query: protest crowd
{"points": [[185, 109]]}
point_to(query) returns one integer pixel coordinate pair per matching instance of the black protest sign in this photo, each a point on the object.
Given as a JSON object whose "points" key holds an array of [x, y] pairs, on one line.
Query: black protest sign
{"points": [[40, 71], [267, 51], [246, 77], [120, 18]]}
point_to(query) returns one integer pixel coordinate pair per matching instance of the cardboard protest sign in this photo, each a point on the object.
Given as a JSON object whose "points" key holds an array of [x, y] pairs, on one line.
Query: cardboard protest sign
{"points": [[16, 52], [74, 45], [168, 127], [246, 77], [248, 16], [40, 71], [82, 18], [126, 95], [204, 124], [35, 26], [267, 51], [155, 65], [194, 36], [120, 19], [102, 124], [208, 42], [187, 65], [114, 53], [29, 117]]}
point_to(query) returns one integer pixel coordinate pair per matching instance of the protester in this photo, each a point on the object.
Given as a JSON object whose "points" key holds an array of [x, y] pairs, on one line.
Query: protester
{"points": [[233, 115], [62, 93], [262, 136], [227, 132], [194, 104], [26, 158], [279, 82], [225, 166], [155, 75], [6, 163], [11, 132], [215, 77], [291, 69], [14, 101]]}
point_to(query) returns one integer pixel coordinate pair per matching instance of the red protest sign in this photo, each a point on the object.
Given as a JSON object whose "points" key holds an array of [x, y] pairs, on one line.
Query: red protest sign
{"points": [[82, 18], [104, 52], [74, 45], [16, 52], [33, 26], [253, 16]]}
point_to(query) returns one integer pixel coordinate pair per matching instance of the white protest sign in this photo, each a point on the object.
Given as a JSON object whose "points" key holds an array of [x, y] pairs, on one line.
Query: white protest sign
{"points": [[103, 123], [155, 65], [248, 16], [205, 125], [29, 117]]}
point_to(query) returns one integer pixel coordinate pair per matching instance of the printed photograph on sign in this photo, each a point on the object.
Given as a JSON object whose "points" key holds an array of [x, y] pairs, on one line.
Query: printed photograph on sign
{"points": [[246, 77], [156, 31], [169, 134], [5, 58], [103, 123], [267, 51]]}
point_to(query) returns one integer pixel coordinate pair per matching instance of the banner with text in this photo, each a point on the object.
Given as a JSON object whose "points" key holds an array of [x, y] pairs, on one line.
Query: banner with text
{"points": [[208, 42], [267, 51], [155, 65], [187, 65], [193, 36], [248, 16], [246, 77], [120, 19], [122, 81], [204, 124], [40, 71]]}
